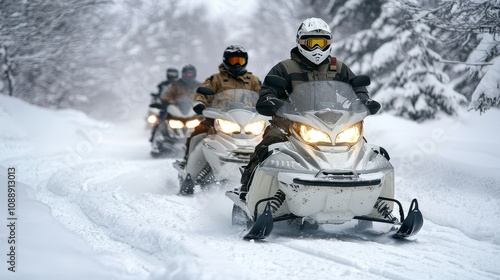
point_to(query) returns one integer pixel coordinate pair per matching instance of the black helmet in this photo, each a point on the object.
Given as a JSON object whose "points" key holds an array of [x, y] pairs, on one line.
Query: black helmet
{"points": [[172, 74], [235, 60], [188, 72]]}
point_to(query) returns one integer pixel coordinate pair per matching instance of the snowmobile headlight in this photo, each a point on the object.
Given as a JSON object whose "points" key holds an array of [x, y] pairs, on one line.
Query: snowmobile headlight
{"points": [[255, 128], [350, 135], [152, 119], [175, 124], [192, 123], [228, 127], [313, 135]]}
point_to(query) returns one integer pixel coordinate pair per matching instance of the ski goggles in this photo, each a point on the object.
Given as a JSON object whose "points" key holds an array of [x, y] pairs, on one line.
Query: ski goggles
{"points": [[236, 60], [312, 42], [189, 74]]}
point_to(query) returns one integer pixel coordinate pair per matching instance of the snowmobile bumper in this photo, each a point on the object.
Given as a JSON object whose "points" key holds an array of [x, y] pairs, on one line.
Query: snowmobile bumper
{"points": [[331, 197]]}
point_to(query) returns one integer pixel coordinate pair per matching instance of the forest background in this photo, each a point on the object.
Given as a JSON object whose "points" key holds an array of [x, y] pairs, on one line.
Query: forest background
{"points": [[104, 57]]}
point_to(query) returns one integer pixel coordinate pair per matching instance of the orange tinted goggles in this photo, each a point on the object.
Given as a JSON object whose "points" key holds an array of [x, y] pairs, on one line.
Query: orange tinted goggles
{"points": [[236, 60], [311, 43]]}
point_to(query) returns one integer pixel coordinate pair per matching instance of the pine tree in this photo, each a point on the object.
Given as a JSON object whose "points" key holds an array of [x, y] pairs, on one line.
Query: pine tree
{"points": [[41, 44], [470, 40], [407, 77]]}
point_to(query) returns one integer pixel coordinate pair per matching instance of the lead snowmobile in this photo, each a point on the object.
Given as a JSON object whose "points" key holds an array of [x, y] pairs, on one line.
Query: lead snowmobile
{"points": [[326, 173]]}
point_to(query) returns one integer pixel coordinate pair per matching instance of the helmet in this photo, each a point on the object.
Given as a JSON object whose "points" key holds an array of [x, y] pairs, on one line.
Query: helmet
{"points": [[314, 39], [172, 74], [188, 72], [235, 60]]}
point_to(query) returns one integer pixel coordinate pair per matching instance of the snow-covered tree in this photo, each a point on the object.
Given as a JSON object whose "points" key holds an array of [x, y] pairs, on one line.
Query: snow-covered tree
{"points": [[407, 77], [487, 93], [469, 33], [40, 46]]}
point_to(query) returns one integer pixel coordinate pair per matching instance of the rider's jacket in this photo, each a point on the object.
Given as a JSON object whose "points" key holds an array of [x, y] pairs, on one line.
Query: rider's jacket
{"points": [[163, 86], [224, 80], [181, 89], [298, 70]]}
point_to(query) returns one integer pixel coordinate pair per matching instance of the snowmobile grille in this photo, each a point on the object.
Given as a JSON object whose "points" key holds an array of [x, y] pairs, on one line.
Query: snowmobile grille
{"points": [[343, 183]]}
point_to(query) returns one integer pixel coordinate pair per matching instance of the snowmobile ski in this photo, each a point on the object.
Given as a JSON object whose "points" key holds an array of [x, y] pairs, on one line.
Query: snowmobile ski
{"points": [[263, 225], [413, 222]]}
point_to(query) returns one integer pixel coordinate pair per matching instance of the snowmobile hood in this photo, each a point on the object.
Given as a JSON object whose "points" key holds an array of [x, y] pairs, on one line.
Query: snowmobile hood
{"points": [[329, 106]]}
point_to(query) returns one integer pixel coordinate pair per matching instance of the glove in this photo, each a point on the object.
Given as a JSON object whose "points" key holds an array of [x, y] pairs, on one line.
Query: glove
{"points": [[270, 106], [198, 108], [372, 105]]}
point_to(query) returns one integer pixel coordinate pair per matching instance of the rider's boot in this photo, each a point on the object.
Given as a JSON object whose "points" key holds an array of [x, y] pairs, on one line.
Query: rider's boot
{"points": [[182, 163]]}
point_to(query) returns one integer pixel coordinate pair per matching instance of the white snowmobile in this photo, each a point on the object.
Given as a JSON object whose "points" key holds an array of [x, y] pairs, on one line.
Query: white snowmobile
{"points": [[326, 173], [170, 137], [218, 155]]}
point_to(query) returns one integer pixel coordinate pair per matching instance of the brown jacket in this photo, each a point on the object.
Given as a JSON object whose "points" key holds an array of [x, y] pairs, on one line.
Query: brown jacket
{"points": [[180, 90], [223, 81]]}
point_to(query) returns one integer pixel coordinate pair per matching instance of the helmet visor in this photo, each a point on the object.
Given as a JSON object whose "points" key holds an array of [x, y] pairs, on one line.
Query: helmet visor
{"points": [[314, 42], [236, 60]]}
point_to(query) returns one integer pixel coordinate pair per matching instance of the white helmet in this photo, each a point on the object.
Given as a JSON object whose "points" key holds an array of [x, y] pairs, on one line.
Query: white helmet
{"points": [[314, 39]]}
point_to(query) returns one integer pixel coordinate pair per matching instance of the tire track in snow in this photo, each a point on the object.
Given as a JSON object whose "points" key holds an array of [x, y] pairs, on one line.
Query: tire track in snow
{"points": [[125, 214], [355, 263]]}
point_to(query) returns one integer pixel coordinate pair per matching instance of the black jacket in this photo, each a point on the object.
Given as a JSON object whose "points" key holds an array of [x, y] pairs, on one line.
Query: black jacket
{"points": [[267, 91]]}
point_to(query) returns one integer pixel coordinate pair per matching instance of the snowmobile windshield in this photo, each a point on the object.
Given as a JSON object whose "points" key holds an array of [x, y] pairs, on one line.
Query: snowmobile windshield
{"points": [[182, 108], [235, 99], [320, 96], [185, 106]]}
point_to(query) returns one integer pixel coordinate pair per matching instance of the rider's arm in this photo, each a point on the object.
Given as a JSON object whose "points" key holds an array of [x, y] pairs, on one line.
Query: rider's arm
{"points": [[211, 83], [270, 96], [256, 84], [169, 96], [160, 88], [346, 75]]}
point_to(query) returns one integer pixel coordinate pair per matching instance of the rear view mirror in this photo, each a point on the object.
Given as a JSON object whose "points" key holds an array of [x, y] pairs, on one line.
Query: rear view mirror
{"points": [[205, 91], [155, 105], [360, 81]]}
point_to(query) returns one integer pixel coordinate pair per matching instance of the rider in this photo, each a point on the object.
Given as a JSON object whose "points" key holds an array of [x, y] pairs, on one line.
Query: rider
{"points": [[232, 75], [310, 61], [172, 75], [183, 88]]}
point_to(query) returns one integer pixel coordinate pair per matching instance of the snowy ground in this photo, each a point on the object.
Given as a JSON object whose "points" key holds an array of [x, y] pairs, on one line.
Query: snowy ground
{"points": [[92, 204]]}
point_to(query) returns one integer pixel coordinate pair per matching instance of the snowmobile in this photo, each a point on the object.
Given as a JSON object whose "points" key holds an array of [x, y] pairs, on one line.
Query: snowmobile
{"points": [[326, 173], [216, 156], [170, 137]]}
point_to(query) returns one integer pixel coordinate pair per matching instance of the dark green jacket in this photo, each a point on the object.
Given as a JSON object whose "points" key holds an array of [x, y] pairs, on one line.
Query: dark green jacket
{"points": [[302, 71]]}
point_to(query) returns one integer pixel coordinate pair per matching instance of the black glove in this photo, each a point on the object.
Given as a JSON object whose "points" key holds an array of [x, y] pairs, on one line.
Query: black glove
{"points": [[372, 105], [198, 108], [269, 107]]}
